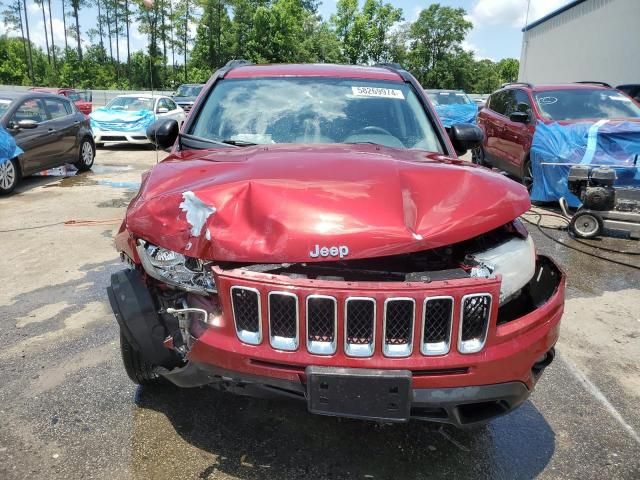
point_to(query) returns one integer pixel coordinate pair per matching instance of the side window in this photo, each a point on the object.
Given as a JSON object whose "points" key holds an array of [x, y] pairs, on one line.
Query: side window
{"points": [[32, 109], [162, 103], [497, 102], [171, 105], [69, 107], [509, 102], [522, 103], [56, 108]]}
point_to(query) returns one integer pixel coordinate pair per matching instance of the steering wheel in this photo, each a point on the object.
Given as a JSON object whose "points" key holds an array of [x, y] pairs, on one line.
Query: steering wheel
{"points": [[372, 129]]}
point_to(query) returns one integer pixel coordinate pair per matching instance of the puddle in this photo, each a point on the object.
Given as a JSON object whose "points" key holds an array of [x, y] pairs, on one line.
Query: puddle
{"points": [[110, 168], [87, 180], [115, 184]]}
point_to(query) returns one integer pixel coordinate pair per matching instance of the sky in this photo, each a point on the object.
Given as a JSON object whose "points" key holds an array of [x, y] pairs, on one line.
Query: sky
{"points": [[496, 32]]}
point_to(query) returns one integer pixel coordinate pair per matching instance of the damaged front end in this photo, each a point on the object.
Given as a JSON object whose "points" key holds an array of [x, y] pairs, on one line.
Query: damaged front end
{"points": [[447, 315]]}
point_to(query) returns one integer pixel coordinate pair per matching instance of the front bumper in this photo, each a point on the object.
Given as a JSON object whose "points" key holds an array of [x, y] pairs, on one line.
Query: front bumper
{"points": [[454, 387], [460, 406], [102, 136]]}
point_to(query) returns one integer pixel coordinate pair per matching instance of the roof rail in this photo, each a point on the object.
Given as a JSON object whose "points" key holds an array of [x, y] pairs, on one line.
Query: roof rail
{"points": [[396, 68], [591, 82], [231, 64], [526, 84]]}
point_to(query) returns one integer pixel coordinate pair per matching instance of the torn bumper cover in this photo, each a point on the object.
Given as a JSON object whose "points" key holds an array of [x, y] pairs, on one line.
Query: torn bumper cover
{"points": [[401, 373]]}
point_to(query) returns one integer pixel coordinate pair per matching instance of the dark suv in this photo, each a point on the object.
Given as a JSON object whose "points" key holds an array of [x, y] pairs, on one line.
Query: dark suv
{"points": [[510, 115]]}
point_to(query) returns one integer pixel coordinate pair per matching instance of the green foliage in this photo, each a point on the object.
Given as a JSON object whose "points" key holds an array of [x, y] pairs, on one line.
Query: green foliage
{"points": [[365, 34], [262, 31]]}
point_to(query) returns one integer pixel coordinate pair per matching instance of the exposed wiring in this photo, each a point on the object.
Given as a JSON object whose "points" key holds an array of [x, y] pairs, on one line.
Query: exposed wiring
{"points": [[572, 247]]}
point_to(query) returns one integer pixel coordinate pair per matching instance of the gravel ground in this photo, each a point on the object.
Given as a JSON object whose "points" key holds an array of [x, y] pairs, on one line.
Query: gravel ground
{"points": [[69, 411]]}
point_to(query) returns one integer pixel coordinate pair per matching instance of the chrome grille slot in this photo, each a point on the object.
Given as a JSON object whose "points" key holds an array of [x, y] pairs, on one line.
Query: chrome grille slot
{"points": [[321, 324], [359, 326], [474, 322], [399, 314], [437, 319], [283, 320], [245, 303]]}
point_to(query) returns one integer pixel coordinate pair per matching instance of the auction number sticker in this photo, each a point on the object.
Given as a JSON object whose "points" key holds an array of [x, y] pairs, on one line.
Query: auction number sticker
{"points": [[377, 92]]}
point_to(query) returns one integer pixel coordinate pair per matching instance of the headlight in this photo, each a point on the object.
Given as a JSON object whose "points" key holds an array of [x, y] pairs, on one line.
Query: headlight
{"points": [[175, 269], [515, 260]]}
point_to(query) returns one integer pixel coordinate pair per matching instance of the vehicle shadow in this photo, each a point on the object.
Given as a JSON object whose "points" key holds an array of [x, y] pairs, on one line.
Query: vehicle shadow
{"points": [[29, 183], [254, 438]]}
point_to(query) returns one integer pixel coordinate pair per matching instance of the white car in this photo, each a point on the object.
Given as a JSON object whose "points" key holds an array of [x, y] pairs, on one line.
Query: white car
{"points": [[126, 117]]}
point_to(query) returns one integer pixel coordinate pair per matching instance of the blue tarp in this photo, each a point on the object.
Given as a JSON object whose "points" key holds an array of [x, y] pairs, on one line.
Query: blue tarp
{"points": [[8, 147], [457, 113], [121, 120], [557, 147]]}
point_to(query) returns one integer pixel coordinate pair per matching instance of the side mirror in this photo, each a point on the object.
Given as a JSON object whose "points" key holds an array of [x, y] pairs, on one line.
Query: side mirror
{"points": [[162, 110], [519, 117], [465, 136], [163, 133], [24, 125]]}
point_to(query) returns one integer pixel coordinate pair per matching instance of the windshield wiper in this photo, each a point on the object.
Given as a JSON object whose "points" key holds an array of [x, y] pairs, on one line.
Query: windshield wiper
{"points": [[238, 143], [194, 140]]}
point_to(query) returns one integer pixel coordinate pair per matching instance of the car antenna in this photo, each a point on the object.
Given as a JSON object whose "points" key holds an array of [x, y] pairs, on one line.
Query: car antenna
{"points": [[149, 4]]}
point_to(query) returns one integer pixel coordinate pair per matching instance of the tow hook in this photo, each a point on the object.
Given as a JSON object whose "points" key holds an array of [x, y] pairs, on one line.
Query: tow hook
{"points": [[184, 324]]}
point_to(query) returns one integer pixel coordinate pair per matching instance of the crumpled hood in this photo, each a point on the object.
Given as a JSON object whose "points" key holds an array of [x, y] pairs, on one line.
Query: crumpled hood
{"points": [[271, 204]]}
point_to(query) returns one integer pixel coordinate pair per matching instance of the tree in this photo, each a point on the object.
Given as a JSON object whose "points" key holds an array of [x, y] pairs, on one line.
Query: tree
{"points": [[12, 17], [437, 34], [26, 23], [76, 5], [64, 25], [213, 45], [44, 22], [508, 69]]}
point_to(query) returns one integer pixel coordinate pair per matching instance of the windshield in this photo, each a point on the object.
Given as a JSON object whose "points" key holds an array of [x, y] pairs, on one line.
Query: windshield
{"points": [[132, 104], [449, 98], [315, 110], [188, 90], [585, 104], [5, 103]]}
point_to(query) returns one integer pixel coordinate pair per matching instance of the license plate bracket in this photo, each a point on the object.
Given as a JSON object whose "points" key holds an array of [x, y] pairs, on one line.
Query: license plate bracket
{"points": [[359, 393]]}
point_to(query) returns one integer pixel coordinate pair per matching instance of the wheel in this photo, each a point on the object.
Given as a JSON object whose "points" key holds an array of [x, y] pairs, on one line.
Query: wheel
{"points": [[138, 370], [477, 156], [527, 175], [86, 155], [586, 224], [9, 176]]}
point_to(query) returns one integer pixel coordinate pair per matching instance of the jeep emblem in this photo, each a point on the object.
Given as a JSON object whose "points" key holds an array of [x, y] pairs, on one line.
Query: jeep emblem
{"points": [[332, 251]]}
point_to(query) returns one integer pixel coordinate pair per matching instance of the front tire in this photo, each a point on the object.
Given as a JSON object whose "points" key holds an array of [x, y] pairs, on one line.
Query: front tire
{"points": [[9, 176], [138, 370], [86, 155], [527, 175]]}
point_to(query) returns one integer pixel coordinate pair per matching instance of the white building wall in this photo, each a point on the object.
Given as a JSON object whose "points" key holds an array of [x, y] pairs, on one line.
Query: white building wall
{"points": [[596, 40]]}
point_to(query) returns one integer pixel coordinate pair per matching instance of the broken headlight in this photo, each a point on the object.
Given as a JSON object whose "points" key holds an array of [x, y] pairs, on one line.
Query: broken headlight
{"points": [[515, 260], [173, 268]]}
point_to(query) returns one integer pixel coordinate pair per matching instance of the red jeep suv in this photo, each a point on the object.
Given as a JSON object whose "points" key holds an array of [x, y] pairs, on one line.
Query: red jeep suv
{"points": [[314, 235], [510, 115]]}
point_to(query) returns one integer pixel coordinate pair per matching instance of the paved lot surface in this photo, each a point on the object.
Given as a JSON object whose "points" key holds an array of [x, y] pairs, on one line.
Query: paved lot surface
{"points": [[69, 411]]}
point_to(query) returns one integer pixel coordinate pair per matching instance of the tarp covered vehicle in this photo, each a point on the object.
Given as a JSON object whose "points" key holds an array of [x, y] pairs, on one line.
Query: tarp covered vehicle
{"points": [[453, 106], [314, 235]]}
